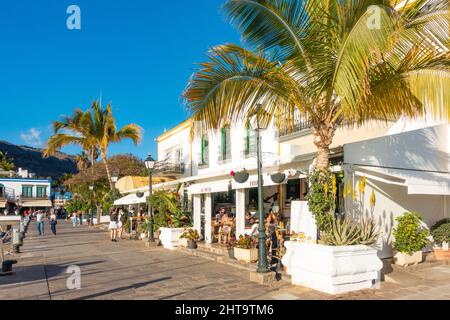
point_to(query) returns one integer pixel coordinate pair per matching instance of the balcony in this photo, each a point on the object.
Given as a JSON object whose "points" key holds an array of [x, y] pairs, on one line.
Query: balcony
{"points": [[293, 127], [167, 168], [7, 194]]}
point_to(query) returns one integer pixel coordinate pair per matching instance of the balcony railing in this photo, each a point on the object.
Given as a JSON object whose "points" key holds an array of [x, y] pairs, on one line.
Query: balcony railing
{"points": [[168, 167], [35, 197], [293, 125], [7, 193]]}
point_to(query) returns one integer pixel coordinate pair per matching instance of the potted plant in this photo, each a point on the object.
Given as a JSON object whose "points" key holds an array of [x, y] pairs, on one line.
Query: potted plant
{"points": [[240, 176], [143, 230], [343, 260], [245, 249], [230, 246], [278, 177], [441, 236], [189, 238], [410, 239]]}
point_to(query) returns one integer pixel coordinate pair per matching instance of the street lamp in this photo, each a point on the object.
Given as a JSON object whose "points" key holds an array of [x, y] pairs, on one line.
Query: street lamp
{"points": [[91, 188], [150, 164], [262, 256]]}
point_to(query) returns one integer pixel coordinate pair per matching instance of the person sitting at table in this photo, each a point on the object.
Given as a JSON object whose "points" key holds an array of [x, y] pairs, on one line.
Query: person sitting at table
{"points": [[253, 232]]}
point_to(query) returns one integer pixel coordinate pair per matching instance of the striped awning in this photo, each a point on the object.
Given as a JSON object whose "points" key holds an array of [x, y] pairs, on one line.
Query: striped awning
{"points": [[36, 203]]}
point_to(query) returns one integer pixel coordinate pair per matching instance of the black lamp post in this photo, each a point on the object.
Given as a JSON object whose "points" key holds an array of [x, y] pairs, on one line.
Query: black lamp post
{"points": [[262, 256], [150, 164], [91, 189]]}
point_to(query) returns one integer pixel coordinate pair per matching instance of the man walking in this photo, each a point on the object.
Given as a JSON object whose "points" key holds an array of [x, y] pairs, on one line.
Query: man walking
{"points": [[40, 222]]}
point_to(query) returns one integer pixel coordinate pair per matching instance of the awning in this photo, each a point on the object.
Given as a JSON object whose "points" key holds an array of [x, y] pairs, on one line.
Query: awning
{"points": [[417, 182], [252, 182], [36, 203], [209, 187], [131, 199]]}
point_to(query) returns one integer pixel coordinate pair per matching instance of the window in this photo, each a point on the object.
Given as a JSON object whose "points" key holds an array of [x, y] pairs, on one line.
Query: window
{"points": [[225, 144], [204, 150], [41, 191], [249, 142], [296, 189], [2, 190], [27, 191]]}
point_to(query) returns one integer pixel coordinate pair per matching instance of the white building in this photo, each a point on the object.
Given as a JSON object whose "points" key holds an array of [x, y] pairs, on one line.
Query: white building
{"points": [[406, 163], [24, 193]]}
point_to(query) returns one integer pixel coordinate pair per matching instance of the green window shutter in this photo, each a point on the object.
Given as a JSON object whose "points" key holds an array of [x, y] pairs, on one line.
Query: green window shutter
{"points": [[247, 142], [223, 144]]}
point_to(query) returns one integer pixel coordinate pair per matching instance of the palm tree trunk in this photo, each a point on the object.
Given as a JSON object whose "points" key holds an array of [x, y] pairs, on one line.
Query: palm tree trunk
{"points": [[108, 174], [323, 137], [92, 162]]}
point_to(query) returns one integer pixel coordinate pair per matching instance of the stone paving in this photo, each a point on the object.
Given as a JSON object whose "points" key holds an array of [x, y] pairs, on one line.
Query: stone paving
{"points": [[130, 270]]}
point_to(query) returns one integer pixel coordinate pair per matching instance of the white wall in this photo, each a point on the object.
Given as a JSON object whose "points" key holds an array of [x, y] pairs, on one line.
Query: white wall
{"points": [[423, 149], [391, 202], [180, 139]]}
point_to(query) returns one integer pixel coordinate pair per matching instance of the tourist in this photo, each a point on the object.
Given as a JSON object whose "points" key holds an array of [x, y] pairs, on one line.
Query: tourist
{"points": [[113, 224], [40, 222], [271, 227], [81, 218], [122, 220], [53, 221], [254, 227], [74, 219], [248, 217]]}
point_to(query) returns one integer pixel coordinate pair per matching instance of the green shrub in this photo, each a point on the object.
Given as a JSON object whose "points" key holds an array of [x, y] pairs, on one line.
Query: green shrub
{"points": [[409, 235], [441, 233], [321, 200], [440, 223]]}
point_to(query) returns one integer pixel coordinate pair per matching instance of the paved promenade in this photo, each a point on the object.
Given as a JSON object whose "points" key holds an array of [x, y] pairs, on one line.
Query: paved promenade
{"points": [[129, 270]]}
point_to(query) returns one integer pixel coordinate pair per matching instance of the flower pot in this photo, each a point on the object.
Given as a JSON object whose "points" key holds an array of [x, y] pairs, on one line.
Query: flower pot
{"points": [[241, 177], [192, 244], [332, 269], [278, 177], [246, 255], [441, 254], [405, 259]]}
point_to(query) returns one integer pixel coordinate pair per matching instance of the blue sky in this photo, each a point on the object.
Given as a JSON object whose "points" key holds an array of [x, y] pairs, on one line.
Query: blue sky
{"points": [[136, 54]]}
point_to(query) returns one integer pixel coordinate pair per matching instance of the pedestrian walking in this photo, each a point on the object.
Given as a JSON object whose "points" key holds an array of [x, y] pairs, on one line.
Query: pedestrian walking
{"points": [[74, 219], [81, 218], [40, 222], [53, 222], [113, 224]]}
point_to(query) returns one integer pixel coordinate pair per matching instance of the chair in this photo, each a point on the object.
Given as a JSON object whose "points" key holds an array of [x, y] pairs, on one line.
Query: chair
{"points": [[225, 233]]}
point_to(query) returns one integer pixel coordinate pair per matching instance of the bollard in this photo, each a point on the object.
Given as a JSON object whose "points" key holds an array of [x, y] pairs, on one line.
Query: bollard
{"points": [[16, 241]]}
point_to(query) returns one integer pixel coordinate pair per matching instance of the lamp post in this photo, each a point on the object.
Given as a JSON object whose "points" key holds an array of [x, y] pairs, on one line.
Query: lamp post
{"points": [[150, 164], [262, 256], [91, 220]]}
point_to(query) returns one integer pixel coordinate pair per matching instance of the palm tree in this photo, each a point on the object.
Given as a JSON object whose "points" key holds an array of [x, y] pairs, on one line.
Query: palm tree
{"points": [[335, 62], [93, 130], [82, 161], [6, 163]]}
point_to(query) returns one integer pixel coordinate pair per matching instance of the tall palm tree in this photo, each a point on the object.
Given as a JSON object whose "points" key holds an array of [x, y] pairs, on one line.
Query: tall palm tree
{"points": [[336, 62], [93, 130]]}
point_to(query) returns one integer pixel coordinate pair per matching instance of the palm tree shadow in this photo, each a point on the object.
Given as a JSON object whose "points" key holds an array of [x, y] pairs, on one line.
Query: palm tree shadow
{"points": [[124, 288]]}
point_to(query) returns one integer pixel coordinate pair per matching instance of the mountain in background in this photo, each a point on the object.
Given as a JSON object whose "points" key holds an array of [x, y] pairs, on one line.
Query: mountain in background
{"points": [[31, 159]]}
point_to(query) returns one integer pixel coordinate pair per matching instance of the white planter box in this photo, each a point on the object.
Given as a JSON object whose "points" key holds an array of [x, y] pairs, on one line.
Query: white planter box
{"points": [[333, 270], [246, 255], [404, 259], [170, 237]]}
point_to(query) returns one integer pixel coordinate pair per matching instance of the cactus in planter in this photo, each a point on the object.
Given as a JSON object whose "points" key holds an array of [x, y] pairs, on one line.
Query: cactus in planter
{"points": [[342, 232], [369, 232]]}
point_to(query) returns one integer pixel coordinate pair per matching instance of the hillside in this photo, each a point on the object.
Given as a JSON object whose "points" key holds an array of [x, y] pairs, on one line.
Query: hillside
{"points": [[31, 158]]}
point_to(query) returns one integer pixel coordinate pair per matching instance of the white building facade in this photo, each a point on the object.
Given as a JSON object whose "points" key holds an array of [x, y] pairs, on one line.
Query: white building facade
{"points": [[24, 193]]}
